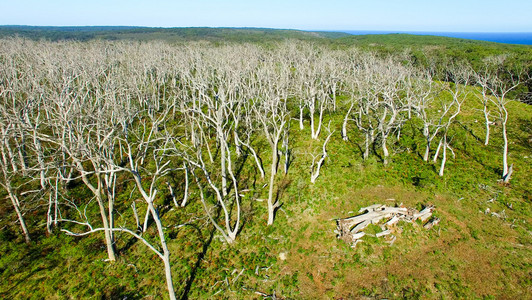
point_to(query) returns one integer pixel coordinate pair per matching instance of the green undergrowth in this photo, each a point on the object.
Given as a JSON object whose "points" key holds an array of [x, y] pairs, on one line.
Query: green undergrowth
{"points": [[472, 253]]}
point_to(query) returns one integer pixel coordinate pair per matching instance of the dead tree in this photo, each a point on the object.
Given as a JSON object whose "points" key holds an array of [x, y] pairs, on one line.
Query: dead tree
{"points": [[425, 106], [216, 109], [316, 165], [457, 92], [311, 90], [391, 107], [272, 114], [495, 91], [9, 173], [158, 148]]}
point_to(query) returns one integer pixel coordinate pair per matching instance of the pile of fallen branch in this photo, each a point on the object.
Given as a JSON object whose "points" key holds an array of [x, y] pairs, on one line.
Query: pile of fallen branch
{"points": [[351, 229]]}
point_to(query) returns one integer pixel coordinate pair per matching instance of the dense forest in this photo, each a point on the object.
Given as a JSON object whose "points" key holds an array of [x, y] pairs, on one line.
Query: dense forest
{"points": [[86, 33], [146, 168]]}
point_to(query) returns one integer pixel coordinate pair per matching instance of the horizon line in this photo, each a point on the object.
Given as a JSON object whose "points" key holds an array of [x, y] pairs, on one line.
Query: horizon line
{"points": [[275, 28]]}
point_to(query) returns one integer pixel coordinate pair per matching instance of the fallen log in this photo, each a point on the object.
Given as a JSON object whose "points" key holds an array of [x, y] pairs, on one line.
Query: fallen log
{"points": [[383, 233], [360, 226], [424, 214], [431, 223], [392, 221], [351, 229], [345, 225], [371, 208]]}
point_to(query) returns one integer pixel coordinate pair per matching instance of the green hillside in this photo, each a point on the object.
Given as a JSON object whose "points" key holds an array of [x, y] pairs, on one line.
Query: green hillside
{"points": [[166, 34], [141, 165]]}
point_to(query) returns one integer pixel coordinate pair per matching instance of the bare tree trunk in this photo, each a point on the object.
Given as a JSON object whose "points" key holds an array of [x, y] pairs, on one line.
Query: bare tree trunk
{"points": [[316, 173], [344, 124], [426, 133], [320, 120], [108, 235], [257, 159], [367, 143], [16, 205], [233, 232], [312, 109], [146, 219], [97, 192], [110, 183], [317, 129], [271, 205], [135, 214], [505, 176], [172, 194], [49, 214], [166, 252], [487, 123], [435, 158], [56, 202], [385, 149], [10, 156], [213, 222], [427, 152], [21, 149], [509, 174], [286, 152], [301, 107], [237, 141], [444, 155], [223, 170], [40, 159], [185, 193]]}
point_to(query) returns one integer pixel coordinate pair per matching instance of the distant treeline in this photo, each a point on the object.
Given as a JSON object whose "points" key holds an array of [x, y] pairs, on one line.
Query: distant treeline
{"points": [[85, 33], [428, 52]]}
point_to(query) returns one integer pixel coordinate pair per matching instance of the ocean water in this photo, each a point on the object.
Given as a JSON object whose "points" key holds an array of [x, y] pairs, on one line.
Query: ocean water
{"points": [[522, 38]]}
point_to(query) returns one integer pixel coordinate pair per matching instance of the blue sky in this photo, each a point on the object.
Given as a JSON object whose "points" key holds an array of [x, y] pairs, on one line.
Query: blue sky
{"points": [[400, 15]]}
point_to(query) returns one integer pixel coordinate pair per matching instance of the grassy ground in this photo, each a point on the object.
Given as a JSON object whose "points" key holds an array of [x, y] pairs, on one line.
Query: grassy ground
{"points": [[470, 254]]}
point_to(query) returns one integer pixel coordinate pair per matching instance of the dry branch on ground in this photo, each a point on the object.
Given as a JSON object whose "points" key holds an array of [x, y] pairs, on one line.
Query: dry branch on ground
{"points": [[351, 229]]}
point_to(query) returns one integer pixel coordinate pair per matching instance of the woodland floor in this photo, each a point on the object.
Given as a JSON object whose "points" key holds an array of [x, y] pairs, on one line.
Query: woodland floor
{"points": [[470, 254]]}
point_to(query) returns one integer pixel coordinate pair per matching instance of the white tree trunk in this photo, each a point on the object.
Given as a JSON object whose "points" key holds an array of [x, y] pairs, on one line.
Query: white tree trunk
{"points": [[108, 235], [286, 153], [316, 173], [444, 155], [49, 220], [344, 124], [427, 151], [97, 192], [312, 125], [316, 130], [40, 159], [301, 107], [435, 158], [487, 122], [271, 205], [166, 252], [185, 193], [505, 150], [223, 168], [367, 143], [257, 159], [146, 219], [16, 205], [237, 141], [385, 149], [509, 175], [135, 214]]}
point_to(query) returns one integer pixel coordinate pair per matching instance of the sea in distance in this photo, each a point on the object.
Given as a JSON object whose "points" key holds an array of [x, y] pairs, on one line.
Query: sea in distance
{"points": [[522, 38]]}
